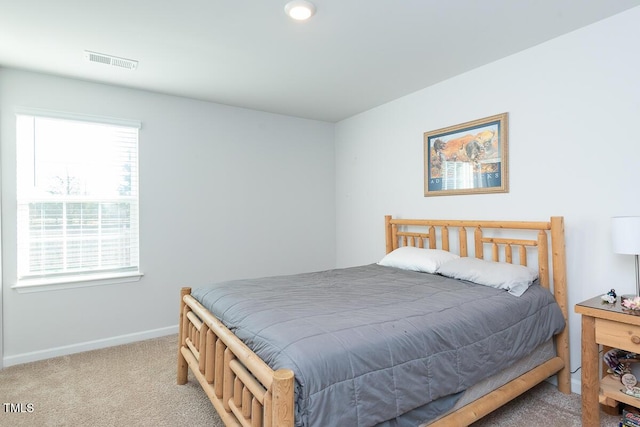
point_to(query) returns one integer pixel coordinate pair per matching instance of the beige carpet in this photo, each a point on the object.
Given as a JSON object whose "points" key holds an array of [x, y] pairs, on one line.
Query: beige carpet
{"points": [[135, 385]]}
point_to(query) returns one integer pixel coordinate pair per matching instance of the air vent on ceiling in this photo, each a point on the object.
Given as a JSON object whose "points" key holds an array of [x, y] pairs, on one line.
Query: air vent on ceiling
{"points": [[103, 58]]}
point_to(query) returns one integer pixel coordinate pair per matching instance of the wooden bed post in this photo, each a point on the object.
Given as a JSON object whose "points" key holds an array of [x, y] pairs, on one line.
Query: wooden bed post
{"points": [[559, 260], [387, 233], [282, 393], [183, 367]]}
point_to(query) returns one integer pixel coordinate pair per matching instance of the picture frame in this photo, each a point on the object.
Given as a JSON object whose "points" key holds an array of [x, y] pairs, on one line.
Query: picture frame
{"points": [[468, 158]]}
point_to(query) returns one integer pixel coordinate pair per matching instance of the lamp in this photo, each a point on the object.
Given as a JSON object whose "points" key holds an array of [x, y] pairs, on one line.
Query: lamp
{"points": [[300, 10], [625, 233]]}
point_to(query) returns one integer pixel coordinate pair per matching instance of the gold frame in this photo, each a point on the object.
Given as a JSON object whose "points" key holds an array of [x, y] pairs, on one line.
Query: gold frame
{"points": [[468, 158]]}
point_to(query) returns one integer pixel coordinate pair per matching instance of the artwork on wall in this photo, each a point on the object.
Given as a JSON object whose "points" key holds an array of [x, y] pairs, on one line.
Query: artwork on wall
{"points": [[468, 158]]}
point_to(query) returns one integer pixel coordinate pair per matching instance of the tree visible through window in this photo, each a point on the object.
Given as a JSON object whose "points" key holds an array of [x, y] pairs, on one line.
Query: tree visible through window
{"points": [[77, 198]]}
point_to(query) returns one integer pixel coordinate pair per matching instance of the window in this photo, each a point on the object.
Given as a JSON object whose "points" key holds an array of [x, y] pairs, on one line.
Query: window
{"points": [[77, 199]]}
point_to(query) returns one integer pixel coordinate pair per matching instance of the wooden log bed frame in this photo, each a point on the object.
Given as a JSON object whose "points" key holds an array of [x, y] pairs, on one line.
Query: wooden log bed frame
{"points": [[246, 392]]}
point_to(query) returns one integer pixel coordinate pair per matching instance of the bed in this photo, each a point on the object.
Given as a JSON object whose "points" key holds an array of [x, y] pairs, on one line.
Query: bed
{"points": [[266, 361]]}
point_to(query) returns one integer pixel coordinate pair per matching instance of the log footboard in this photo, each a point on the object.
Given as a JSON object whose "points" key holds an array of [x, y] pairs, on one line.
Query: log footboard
{"points": [[242, 388]]}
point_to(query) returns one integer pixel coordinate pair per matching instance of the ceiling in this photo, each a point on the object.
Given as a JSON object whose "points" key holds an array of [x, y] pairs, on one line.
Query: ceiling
{"points": [[351, 56]]}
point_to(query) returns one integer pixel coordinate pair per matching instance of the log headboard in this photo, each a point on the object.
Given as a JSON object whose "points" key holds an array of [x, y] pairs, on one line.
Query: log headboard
{"points": [[523, 242]]}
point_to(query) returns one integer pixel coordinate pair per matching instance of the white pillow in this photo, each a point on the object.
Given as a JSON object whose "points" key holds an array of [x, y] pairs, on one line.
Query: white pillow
{"points": [[417, 259], [515, 278]]}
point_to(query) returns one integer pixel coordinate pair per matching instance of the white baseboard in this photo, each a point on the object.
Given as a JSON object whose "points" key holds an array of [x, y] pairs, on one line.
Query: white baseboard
{"points": [[86, 346], [575, 383], [576, 386]]}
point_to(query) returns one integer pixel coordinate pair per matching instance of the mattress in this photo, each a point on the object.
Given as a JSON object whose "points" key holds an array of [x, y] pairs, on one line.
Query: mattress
{"points": [[369, 344]]}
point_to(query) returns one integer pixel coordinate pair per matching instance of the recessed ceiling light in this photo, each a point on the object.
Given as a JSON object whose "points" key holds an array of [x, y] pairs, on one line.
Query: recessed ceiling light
{"points": [[300, 10]]}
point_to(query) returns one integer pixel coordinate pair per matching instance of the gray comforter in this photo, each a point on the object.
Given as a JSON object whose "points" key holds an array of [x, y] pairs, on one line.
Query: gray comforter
{"points": [[370, 343]]}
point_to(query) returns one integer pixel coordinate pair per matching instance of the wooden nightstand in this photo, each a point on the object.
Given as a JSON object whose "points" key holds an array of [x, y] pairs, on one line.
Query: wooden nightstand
{"points": [[607, 325]]}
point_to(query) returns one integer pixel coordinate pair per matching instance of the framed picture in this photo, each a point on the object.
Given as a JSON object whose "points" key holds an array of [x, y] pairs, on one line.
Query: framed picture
{"points": [[469, 158]]}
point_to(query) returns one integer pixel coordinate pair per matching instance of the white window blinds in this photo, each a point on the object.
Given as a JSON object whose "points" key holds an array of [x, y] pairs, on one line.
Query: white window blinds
{"points": [[77, 198]]}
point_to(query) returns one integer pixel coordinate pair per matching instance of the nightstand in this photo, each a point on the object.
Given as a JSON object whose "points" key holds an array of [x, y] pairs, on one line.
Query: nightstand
{"points": [[607, 325]]}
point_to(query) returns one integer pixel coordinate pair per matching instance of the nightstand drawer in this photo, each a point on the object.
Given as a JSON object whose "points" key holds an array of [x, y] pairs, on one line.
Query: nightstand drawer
{"points": [[618, 335]]}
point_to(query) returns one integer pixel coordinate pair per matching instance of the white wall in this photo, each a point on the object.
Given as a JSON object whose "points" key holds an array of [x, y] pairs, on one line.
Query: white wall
{"points": [[224, 193], [574, 150]]}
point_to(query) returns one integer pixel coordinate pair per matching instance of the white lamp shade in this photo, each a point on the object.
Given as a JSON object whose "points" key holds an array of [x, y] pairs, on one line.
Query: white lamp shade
{"points": [[625, 234]]}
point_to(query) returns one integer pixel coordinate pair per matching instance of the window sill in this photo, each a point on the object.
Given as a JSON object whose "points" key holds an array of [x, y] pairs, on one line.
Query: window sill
{"points": [[42, 285]]}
